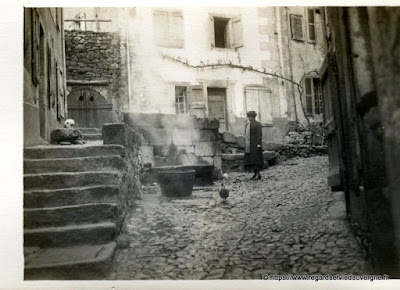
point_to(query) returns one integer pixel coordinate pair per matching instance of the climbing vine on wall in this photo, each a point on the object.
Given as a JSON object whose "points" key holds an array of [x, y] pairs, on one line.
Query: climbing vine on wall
{"points": [[230, 64]]}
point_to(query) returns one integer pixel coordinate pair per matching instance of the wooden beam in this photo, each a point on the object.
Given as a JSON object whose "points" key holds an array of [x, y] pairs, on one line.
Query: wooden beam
{"points": [[87, 20], [88, 83]]}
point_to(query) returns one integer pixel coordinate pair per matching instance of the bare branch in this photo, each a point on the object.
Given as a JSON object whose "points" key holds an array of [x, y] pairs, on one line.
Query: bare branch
{"points": [[221, 63]]}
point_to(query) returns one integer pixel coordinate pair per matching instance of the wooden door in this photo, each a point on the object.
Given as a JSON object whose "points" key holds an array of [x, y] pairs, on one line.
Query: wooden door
{"points": [[89, 109], [332, 123], [217, 106]]}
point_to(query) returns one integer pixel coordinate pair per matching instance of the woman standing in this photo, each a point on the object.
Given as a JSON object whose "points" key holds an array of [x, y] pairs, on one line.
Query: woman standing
{"points": [[253, 157]]}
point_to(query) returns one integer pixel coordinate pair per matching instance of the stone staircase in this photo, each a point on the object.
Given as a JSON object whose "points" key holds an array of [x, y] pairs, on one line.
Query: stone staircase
{"points": [[91, 133], [70, 209]]}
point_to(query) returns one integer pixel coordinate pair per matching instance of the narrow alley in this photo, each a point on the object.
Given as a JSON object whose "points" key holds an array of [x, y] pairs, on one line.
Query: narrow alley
{"points": [[287, 222]]}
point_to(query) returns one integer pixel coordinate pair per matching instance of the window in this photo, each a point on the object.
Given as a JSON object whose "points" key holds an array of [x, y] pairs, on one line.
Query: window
{"points": [[226, 32], [181, 106], [168, 26], [296, 25], [260, 100], [311, 25], [313, 96], [221, 32]]}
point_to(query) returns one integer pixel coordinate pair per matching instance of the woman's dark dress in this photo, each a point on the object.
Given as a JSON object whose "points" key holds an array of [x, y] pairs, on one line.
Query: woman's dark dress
{"points": [[254, 160]]}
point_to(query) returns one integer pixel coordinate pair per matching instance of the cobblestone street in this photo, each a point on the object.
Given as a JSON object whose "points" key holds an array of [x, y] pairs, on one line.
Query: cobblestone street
{"points": [[287, 222]]}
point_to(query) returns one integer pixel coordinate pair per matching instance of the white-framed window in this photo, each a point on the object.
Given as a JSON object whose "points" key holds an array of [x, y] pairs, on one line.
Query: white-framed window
{"points": [[259, 99], [313, 96], [181, 101], [311, 36], [168, 28], [296, 26], [226, 32]]}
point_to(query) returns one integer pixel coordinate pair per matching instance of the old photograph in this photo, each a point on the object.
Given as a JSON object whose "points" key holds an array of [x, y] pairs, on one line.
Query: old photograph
{"points": [[211, 143]]}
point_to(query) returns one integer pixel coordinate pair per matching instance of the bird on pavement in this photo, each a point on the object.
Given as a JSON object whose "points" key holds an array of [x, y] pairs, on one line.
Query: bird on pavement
{"points": [[223, 192]]}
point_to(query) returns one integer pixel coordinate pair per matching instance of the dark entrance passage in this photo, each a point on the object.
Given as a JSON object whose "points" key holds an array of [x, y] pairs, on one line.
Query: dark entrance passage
{"points": [[89, 108]]}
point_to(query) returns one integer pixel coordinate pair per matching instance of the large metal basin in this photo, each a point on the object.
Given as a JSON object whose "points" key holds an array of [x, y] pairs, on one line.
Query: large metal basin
{"points": [[176, 182]]}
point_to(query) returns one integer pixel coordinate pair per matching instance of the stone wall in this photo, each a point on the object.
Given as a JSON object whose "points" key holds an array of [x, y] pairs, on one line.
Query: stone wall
{"points": [[132, 176], [97, 60], [232, 148]]}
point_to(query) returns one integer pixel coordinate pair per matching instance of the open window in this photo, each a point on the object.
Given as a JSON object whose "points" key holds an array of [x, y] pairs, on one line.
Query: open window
{"points": [[226, 32], [181, 101], [168, 28]]}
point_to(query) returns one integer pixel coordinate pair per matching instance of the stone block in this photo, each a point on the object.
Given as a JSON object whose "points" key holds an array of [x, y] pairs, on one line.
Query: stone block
{"points": [[116, 133], [232, 157], [228, 137], [272, 146], [290, 140], [217, 162], [65, 135], [269, 155], [207, 160], [241, 142], [206, 148]]}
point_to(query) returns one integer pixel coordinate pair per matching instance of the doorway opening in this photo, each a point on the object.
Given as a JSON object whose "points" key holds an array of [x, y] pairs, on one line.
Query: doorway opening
{"points": [[217, 106]]}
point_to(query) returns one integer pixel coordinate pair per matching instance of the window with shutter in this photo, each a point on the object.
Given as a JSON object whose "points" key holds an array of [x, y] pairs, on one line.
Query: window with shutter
{"points": [[313, 96], [311, 25], [168, 28], [181, 106], [296, 23], [221, 32], [226, 32], [237, 28]]}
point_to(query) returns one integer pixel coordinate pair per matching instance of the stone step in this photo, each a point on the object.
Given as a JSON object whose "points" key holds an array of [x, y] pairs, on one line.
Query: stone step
{"points": [[94, 136], [89, 130], [85, 262], [70, 179], [72, 151], [71, 196], [72, 214], [70, 235], [78, 164]]}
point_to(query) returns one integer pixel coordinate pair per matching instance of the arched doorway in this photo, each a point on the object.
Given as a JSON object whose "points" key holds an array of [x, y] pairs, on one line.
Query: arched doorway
{"points": [[89, 108]]}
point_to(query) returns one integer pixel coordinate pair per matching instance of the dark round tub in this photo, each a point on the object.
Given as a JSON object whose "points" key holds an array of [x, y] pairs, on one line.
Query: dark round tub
{"points": [[176, 183]]}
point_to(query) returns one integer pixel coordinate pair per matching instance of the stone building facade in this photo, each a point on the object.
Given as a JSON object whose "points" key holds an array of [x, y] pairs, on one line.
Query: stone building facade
{"points": [[303, 48], [162, 44], [44, 74], [359, 78]]}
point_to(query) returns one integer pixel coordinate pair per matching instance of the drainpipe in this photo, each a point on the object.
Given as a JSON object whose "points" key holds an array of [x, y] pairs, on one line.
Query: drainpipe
{"points": [[290, 62], [127, 56]]}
